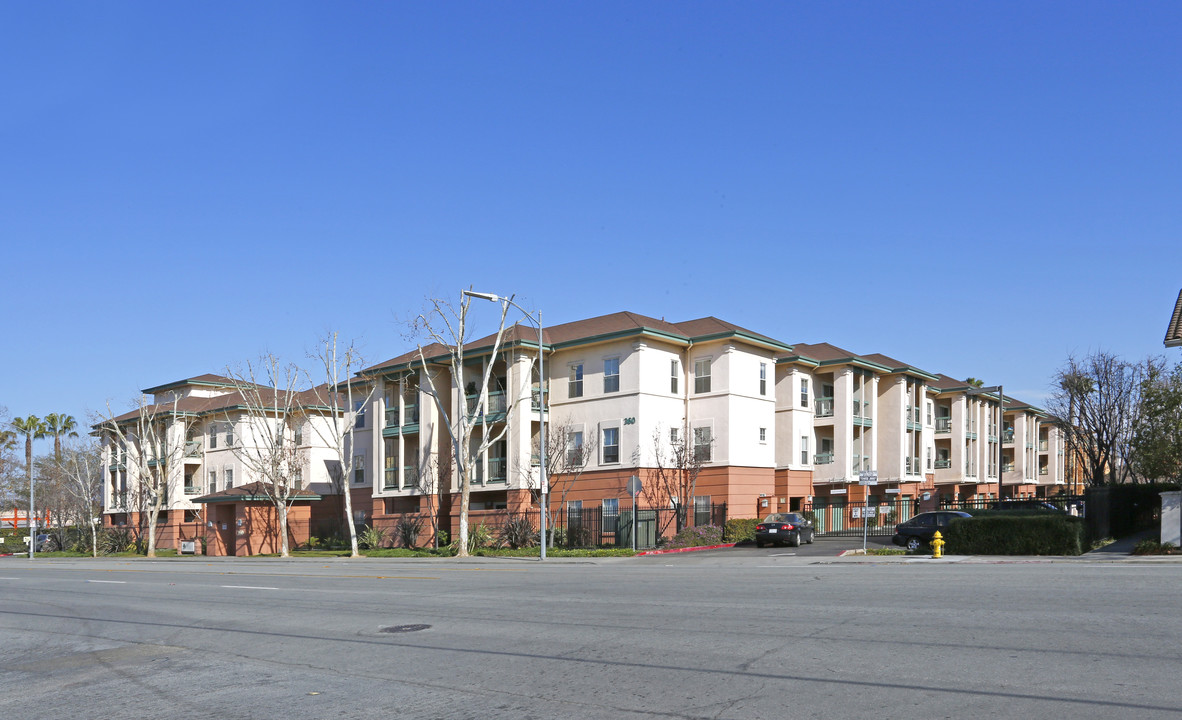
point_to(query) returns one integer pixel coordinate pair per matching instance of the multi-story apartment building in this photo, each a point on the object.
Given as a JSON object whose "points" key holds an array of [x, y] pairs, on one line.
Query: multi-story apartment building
{"points": [[202, 432], [622, 392]]}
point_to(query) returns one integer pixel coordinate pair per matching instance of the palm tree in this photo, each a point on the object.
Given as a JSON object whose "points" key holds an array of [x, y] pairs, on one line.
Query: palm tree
{"points": [[57, 426], [33, 428]]}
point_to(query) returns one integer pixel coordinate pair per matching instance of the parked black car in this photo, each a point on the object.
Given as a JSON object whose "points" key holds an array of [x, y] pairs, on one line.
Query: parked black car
{"points": [[918, 531], [784, 529], [1025, 504]]}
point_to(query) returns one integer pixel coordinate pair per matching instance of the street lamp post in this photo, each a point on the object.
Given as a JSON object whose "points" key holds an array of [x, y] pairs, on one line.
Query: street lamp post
{"points": [[543, 481]]}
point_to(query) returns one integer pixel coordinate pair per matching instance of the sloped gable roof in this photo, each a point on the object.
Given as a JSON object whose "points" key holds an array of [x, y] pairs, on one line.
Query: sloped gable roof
{"points": [[1174, 331]]}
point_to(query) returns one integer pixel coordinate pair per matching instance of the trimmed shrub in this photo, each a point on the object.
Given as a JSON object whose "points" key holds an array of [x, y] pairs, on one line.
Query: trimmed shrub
{"points": [[696, 537], [1153, 547], [371, 538], [407, 529], [1016, 534], [739, 530], [518, 531]]}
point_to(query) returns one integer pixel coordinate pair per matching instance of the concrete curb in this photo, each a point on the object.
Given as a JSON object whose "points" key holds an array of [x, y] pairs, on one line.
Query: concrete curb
{"points": [[681, 550]]}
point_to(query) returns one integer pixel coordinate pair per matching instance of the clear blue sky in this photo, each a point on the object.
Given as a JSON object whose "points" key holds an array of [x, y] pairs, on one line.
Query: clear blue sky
{"points": [[974, 188]]}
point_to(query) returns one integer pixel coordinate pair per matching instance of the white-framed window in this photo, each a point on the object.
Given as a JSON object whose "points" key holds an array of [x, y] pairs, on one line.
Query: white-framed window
{"points": [[929, 412], [674, 375], [702, 510], [228, 474], [674, 435], [763, 378], [763, 435], [804, 392], [359, 414], [611, 514], [611, 445], [298, 433], [929, 449], [213, 480], [611, 375], [574, 448], [213, 436], [703, 443], [702, 375], [574, 388], [358, 469], [229, 434], [804, 449]]}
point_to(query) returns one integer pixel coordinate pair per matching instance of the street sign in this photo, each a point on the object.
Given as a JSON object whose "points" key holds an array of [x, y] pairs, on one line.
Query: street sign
{"points": [[634, 485], [868, 477]]}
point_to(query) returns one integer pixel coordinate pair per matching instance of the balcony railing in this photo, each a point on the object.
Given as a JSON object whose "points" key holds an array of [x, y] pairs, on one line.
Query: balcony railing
{"points": [[410, 476], [192, 490], [535, 399], [496, 404], [861, 409], [824, 406], [192, 448], [496, 471], [396, 418], [943, 464], [1043, 470], [943, 424], [823, 458], [1007, 437], [1007, 467], [1043, 446], [390, 482]]}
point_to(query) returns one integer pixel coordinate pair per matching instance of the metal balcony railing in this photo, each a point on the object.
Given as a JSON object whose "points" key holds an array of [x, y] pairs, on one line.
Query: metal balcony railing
{"points": [[943, 424], [823, 459], [824, 406], [943, 464]]}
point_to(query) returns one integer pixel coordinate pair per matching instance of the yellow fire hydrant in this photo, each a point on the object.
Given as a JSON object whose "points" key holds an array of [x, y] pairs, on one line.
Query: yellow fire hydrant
{"points": [[937, 545]]}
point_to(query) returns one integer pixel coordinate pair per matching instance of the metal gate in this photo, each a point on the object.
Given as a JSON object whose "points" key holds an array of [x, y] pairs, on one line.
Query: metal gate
{"points": [[839, 517]]}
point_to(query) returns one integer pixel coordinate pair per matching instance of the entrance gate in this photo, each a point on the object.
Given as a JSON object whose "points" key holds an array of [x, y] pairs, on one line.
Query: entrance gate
{"points": [[838, 517]]}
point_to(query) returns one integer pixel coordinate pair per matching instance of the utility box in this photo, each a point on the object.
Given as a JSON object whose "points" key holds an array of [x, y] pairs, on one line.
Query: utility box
{"points": [[188, 547]]}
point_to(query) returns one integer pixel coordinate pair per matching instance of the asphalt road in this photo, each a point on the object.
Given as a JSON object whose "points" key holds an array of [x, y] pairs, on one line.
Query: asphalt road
{"points": [[701, 635]]}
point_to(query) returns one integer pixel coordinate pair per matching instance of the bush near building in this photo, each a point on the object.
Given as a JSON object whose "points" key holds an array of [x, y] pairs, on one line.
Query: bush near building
{"points": [[700, 536], [14, 541], [739, 530], [1017, 534]]}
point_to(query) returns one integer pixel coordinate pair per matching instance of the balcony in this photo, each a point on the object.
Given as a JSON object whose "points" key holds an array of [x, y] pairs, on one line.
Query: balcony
{"points": [[1043, 446], [390, 481], [1043, 470], [1007, 437], [497, 467], [193, 448], [494, 407], [410, 476], [824, 406], [943, 425], [535, 399], [944, 464], [192, 490], [397, 418], [1007, 467], [823, 458]]}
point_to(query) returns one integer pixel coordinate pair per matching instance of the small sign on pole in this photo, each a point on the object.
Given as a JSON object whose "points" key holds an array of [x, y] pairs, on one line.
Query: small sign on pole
{"points": [[868, 477]]}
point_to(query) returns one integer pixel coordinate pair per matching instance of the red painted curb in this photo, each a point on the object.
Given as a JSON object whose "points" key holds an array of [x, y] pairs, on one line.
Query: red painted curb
{"points": [[680, 550]]}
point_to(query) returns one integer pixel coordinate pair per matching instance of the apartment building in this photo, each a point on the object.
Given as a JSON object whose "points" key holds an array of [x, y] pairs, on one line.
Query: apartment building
{"points": [[201, 433], [623, 391]]}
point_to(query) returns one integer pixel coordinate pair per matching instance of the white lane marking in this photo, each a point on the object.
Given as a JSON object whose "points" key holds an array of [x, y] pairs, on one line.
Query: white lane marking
{"points": [[112, 582], [249, 587], [783, 555]]}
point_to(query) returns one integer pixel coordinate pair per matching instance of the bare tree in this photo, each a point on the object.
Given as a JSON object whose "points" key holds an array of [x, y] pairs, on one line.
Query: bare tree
{"points": [[676, 467], [568, 453], [447, 327], [273, 412], [1098, 397], [82, 473], [1157, 436], [152, 444], [339, 397]]}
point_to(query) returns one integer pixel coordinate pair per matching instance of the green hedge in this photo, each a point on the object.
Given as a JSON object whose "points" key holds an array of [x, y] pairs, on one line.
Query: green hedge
{"points": [[1014, 534], [14, 541], [739, 530]]}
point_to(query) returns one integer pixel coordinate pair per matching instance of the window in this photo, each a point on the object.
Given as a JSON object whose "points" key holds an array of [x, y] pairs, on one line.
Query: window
{"points": [[804, 392], [611, 375], [929, 412], [763, 378], [574, 388], [701, 510], [574, 448], [674, 374], [192, 516], [762, 434], [359, 414], [804, 449], [229, 474], [213, 437], [213, 481], [611, 514], [702, 375], [229, 435], [674, 436], [929, 450], [611, 445], [703, 444], [358, 469], [299, 434]]}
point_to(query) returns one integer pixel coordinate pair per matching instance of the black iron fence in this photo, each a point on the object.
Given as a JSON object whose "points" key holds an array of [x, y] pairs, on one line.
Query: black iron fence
{"points": [[843, 518], [1073, 504]]}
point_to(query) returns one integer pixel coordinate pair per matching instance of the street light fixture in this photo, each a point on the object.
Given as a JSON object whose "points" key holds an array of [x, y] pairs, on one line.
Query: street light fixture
{"points": [[543, 481]]}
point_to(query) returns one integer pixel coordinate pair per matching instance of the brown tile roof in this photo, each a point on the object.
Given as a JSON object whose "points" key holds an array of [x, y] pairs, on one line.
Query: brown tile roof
{"points": [[822, 352], [896, 365], [1174, 331], [206, 380], [620, 323], [251, 492], [191, 405], [944, 382]]}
